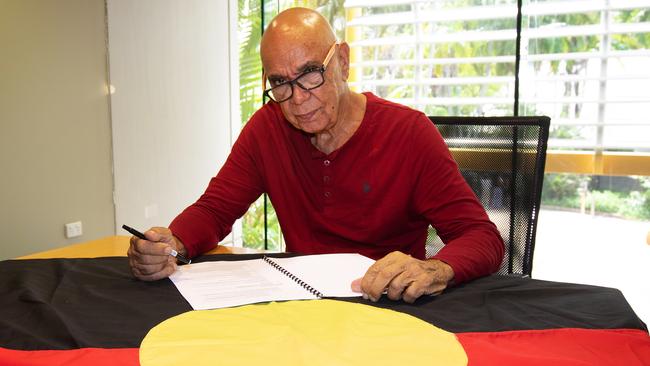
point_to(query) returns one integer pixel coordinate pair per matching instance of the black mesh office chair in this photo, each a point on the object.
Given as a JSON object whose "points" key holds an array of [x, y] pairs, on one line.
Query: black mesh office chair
{"points": [[502, 159]]}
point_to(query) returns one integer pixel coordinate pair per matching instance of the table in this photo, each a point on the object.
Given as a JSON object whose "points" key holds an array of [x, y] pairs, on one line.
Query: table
{"points": [[92, 311], [114, 246]]}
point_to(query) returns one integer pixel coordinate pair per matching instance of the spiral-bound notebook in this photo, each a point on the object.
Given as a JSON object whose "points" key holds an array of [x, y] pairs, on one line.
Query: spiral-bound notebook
{"points": [[211, 285]]}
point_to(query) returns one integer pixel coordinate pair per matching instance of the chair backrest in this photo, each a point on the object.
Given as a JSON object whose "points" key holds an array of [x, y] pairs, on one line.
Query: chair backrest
{"points": [[502, 159]]}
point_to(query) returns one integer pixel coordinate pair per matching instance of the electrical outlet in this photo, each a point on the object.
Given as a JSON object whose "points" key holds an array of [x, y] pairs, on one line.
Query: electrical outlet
{"points": [[73, 229]]}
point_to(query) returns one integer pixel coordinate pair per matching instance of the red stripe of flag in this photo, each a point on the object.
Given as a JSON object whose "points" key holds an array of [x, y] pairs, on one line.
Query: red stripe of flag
{"points": [[558, 347], [73, 357]]}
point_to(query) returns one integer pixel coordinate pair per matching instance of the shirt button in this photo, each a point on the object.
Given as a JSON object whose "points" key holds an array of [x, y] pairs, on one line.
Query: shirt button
{"points": [[328, 194], [326, 162], [326, 179]]}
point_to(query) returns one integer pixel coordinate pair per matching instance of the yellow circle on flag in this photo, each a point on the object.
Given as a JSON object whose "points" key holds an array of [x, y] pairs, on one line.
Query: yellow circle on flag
{"points": [[315, 332]]}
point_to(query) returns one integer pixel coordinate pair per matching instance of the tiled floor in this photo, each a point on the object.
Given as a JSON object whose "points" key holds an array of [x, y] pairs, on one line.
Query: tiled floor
{"points": [[604, 251]]}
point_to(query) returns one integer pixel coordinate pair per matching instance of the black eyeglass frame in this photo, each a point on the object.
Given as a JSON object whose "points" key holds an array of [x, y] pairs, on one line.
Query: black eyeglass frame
{"points": [[295, 81]]}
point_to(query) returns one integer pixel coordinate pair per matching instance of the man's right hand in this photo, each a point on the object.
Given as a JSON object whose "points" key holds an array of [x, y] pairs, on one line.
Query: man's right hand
{"points": [[150, 259]]}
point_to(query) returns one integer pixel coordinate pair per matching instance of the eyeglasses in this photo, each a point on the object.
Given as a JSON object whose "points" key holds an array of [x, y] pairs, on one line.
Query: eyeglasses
{"points": [[308, 80]]}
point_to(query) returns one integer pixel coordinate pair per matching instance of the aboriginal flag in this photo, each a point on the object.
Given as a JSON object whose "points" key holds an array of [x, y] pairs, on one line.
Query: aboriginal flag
{"points": [[93, 312]]}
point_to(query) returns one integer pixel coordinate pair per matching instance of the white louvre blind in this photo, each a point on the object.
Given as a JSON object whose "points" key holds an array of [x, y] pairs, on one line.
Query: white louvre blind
{"points": [[584, 63]]}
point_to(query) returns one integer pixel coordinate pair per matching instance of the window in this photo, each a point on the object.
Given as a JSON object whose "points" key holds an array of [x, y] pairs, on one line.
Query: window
{"points": [[441, 57], [581, 62]]}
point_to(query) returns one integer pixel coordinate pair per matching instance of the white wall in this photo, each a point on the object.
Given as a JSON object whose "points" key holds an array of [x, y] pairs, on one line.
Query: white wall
{"points": [[171, 109], [55, 131]]}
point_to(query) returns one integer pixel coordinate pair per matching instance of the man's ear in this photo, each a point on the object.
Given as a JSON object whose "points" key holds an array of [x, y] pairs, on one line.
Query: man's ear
{"points": [[344, 60]]}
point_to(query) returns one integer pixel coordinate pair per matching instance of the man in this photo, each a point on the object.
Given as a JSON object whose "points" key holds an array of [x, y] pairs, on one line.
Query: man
{"points": [[346, 172]]}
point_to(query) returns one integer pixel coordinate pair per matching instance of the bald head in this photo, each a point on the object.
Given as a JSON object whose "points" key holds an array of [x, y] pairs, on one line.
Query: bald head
{"points": [[299, 50], [296, 27]]}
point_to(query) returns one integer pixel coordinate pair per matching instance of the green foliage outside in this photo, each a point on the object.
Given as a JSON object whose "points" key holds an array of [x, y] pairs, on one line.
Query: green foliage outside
{"points": [[569, 191], [633, 41], [437, 51], [619, 42], [562, 190], [250, 99]]}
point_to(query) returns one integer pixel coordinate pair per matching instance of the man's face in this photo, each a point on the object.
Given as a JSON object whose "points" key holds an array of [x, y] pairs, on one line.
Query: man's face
{"points": [[313, 111]]}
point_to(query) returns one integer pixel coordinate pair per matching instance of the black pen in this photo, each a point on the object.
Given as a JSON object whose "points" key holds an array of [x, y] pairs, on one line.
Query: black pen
{"points": [[140, 235]]}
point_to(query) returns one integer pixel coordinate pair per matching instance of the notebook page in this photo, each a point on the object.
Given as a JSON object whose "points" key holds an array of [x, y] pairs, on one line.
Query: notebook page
{"points": [[331, 274], [212, 285]]}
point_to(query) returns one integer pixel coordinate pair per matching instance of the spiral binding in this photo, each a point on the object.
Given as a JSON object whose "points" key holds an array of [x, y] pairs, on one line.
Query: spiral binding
{"points": [[302, 283]]}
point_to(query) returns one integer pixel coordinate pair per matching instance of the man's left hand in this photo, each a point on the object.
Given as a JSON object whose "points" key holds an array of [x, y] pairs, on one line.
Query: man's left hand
{"points": [[404, 277]]}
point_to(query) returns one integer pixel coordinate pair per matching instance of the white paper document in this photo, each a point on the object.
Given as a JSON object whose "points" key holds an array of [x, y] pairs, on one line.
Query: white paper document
{"points": [[212, 285]]}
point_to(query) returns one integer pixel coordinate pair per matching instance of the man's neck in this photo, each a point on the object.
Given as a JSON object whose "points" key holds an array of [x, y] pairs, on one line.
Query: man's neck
{"points": [[350, 117]]}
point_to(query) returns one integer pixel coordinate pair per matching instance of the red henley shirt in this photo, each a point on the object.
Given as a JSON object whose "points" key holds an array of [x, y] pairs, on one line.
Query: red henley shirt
{"points": [[376, 194]]}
